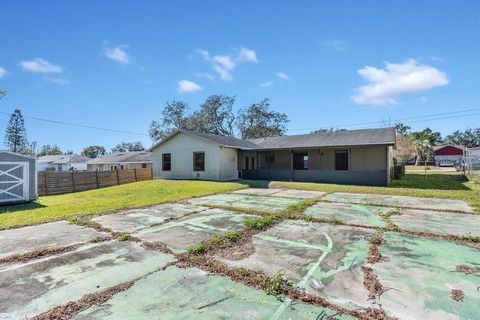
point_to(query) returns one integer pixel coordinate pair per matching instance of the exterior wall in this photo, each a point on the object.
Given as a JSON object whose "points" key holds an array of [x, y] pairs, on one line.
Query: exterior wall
{"points": [[181, 147], [130, 165], [228, 164], [368, 159], [447, 160], [32, 171]]}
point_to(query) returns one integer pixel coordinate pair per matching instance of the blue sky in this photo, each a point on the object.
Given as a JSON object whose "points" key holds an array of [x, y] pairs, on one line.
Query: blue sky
{"points": [[113, 64]]}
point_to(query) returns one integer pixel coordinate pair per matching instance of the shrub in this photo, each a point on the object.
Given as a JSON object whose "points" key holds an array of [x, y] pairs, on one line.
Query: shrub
{"points": [[259, 223], [398, 170]]}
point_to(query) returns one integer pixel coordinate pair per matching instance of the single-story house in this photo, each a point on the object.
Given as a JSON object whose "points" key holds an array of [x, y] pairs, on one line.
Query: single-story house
{"points": [[121, 161], [347, 157], [63, 162], [448, 155], [18, 178]]}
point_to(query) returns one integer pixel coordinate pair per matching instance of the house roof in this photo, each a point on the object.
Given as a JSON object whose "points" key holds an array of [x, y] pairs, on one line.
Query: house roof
{"points": [[63, 159], [119, 157], [435, 148], [223, 141], [383, 136]]}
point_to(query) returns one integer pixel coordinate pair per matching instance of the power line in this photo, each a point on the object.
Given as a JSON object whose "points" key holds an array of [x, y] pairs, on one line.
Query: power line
{"points": [[396, 120], [80, 125]]}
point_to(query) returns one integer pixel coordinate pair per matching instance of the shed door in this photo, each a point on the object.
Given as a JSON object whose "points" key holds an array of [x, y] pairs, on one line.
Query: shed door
{"points": [[13, 181]]}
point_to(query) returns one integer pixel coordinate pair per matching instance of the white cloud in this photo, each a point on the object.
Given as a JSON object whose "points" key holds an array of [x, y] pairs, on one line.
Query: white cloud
{"points": [[59, 81], [3, 72], [267, 84], [336, 45], [185, 86], [205, 75], [397, 79], [38, 65], [247, 55], [118, 53], [223, 65], [282, 76]]}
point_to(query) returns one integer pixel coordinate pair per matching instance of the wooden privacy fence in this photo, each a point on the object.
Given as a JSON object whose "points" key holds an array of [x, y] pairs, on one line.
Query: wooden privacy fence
{"points": [[64, 182]]}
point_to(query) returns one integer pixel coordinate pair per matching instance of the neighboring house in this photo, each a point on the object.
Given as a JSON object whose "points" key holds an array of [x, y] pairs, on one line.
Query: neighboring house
{"points": [[348, 157], [121, 161], [64, 162], [448, 155]]}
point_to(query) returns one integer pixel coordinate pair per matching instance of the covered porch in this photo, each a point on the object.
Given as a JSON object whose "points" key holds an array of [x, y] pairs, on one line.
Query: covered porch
{"points": [[366, 165]]}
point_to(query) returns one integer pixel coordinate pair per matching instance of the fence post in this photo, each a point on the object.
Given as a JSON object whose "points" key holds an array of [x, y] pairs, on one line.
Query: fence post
{"points": [[118, 179], [46, 182], [96, 176], [73, 181], [135, 173]]}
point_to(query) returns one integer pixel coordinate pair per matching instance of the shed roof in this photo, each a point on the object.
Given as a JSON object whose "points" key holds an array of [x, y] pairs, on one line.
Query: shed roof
{"points": [[119, 157], [383, 136], [19, 155], [435, 148]]}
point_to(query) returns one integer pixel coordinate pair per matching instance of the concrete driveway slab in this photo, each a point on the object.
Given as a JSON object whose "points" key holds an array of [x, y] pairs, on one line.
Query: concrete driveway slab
{"points": [[420, 274], [323, 259], [299, 194], [180, 234], [400, 201], [266, 203], [438, 222], [136, 219], [35, 287], [44, 236], [258, 191], [349, 213], [193, 294]]}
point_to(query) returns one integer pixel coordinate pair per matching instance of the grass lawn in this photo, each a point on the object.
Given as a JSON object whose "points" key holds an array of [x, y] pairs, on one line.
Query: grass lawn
{"points": [[447, 185], [133, 195]]}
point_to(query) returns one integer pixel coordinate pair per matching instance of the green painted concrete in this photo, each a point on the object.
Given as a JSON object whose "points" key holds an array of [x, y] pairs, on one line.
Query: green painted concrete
{"points": [[295, 194], [192, 294], [48, 235], [180, 234], [246, 201], [387, 200], [438, 222], [349, 213], [420, 274], [323, 259], [34, 287], [133, 220]]}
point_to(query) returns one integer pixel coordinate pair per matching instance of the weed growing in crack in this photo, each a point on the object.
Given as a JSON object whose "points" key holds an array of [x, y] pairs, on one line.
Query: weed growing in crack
{"points": [[469, 237], [197, 248], [300, 206], [259, 223], [123, 237], [83, 222], [243, 272], [221, 238], [274, 285]]}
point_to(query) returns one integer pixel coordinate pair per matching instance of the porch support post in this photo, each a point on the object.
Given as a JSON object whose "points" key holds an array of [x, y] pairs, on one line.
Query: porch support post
{"points": [[291, 166], [256, 158]]}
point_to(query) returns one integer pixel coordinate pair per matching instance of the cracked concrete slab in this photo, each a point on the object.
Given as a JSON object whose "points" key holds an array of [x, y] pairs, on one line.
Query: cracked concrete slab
{"points": [[193, 294], [400, 201], [349, 212], [447, 223], [419, 276], [323, 259], [266, 203], [285, 193], [258, 191], [136, 219], [44, 236], [34, 287], [180, 234]]}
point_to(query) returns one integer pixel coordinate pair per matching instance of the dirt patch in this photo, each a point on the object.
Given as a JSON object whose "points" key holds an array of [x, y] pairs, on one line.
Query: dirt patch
{"points": [[463, 268], [371, 283], [39, 253], [374, 255], [156, 247], [239, 249], [70, 309], [457, 295]]}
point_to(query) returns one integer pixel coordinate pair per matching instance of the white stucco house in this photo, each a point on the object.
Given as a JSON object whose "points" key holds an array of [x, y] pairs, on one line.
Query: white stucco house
{"points": [[349, 157], [63, 162]]}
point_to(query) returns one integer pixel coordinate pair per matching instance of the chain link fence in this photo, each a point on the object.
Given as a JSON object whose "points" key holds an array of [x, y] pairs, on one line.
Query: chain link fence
{"points": [[472, 163]]}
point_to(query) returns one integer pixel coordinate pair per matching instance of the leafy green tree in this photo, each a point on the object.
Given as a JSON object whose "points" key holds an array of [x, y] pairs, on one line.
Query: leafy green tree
{"points": [[469, 138], [401, 128], [424, 151], [16, 134], [93, 151], [258, 121], [49, 150], [173, 118], [433, 137], [215, 116], [128, 146]]}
